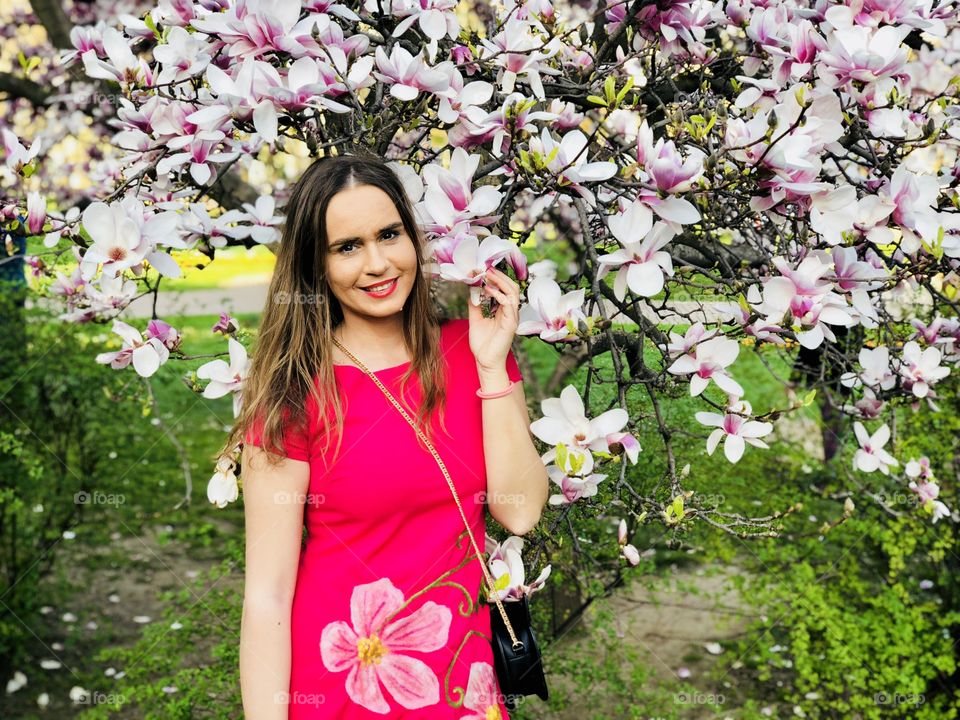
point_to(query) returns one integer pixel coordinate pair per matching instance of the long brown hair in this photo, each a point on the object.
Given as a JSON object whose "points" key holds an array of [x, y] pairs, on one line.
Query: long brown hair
{"points": [[293, 356]]}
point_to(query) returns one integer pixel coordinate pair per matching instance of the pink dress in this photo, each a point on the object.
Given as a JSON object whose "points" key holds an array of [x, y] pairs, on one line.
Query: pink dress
{"points": [[387, 617]]}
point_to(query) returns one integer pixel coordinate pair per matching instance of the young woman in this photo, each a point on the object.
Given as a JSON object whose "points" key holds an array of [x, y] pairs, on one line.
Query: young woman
{"points": [[380, 611]]}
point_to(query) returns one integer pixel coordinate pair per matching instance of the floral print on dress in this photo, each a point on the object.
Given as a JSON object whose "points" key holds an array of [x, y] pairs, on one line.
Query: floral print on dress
{"points": [[483, 693], [375, 648]]}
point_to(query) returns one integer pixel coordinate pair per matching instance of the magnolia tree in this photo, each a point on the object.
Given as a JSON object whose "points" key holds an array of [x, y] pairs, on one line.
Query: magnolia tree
{"points": [[793, 164]]}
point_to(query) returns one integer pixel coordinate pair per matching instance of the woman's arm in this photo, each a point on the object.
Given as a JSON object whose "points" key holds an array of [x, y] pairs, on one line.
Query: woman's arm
{"points": [[517, 481], [273, 501]]}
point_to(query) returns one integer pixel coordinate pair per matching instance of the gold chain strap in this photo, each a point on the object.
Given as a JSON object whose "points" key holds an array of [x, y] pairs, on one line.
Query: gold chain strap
{"points": [[517, 644]]}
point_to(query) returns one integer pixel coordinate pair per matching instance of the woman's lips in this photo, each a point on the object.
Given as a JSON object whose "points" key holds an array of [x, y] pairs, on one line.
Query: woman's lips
{"points": [[383, 293]]}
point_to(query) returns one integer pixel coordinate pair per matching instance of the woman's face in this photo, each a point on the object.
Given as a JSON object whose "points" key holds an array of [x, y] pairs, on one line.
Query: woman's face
{"points": [[368, 246]]}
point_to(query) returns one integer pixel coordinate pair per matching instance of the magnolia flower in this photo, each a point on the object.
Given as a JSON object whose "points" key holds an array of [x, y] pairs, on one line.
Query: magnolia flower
{"points": [[36, 212], [627, 551], [471, 260], [409, 75], [919, 468], [222, 488], [927, 492], [921, 368], [226, 325], [182, 56], [734, 430], [519, 52], [707, 362], [572, 488], [681, 345], [123, 66], [506, 567], [871, 456], [564, 422], [567, 160], [124, 235], [308, 81], [450, 197], [226, 378], [146, 355], [200, 150], [642, 264], [243, 97], [668, 171], [436, 19], [863, 54], [807, 297], [18, 156], [552, 315], [876, 370], [264, 229], [838, 211]]}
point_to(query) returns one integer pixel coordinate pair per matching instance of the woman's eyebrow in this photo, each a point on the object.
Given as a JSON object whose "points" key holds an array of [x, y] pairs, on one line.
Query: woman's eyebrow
{"points": [[392, 226]]}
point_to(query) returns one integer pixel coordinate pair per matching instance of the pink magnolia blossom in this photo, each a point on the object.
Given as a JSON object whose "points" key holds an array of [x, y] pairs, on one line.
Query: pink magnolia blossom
{"points": [[450, 197], [505, 562], [375, 648], [146, 355], [471, 260], [408, 75], [36, 212], [567, 161], [921, 368], [735, 431], [669, 172], [121, 64], [709, 361], [518, 51], [226, 325], [222, 488], [551, 314], [572, 488]]}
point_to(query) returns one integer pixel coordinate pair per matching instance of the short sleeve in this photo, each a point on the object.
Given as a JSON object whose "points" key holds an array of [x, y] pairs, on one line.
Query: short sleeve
{"points": [[513, 370], [296, 442]]}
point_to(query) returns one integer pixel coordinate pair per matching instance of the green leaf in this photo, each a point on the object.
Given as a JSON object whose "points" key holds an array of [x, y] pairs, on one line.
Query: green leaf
{"points": [[596, 99]]}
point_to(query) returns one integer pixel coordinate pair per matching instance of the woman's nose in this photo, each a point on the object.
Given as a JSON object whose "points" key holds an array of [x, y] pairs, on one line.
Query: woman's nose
{"points": [[376, 260]]}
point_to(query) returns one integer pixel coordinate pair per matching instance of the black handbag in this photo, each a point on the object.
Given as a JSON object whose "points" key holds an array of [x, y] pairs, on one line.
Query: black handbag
{"points": [[516, 655], [519, 667]]}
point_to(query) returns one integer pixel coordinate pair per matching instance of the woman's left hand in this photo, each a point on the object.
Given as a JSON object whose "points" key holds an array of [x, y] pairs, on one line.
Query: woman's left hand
{"points": [[492, 337]]}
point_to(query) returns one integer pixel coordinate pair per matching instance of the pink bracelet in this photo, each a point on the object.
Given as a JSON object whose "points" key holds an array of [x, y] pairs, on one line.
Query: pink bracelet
{"points": [[499, 393]]}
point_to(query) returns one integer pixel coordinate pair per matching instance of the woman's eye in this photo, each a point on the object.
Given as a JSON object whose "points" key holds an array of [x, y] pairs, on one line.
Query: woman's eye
{"points": [[390, 235], [343, 247]]}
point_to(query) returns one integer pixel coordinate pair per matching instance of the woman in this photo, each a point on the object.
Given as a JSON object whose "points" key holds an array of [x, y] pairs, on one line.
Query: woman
{"points": [[380, 613]]}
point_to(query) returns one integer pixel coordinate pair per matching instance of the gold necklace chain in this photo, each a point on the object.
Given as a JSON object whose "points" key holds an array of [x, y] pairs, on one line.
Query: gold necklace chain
{"points": [[491, 590]]}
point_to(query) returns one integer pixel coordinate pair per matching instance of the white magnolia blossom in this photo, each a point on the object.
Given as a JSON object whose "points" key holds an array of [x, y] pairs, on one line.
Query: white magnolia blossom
{"points": [[226, 377], [871, 455]]}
